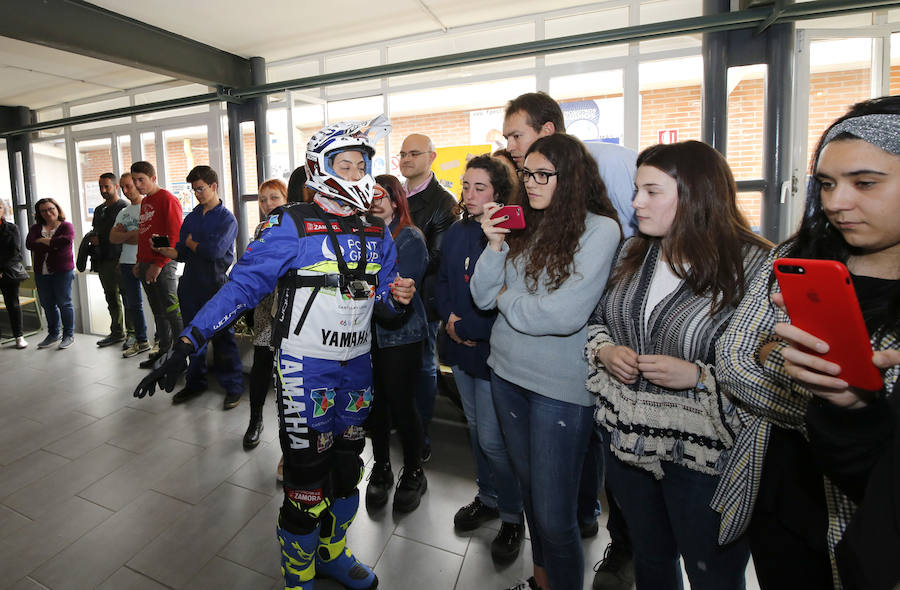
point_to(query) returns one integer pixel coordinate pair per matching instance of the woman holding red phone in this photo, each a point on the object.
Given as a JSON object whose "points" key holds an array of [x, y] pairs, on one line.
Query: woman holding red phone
{"points": [[544, 281], [651, 349], [813, 478]]}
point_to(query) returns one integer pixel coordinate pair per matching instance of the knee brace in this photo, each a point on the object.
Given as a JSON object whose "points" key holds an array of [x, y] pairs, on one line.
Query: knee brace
{"points": [[347, 470]]}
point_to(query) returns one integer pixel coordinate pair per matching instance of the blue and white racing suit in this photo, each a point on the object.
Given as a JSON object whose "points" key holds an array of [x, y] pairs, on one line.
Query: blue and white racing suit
{"points": [[322, 340]]}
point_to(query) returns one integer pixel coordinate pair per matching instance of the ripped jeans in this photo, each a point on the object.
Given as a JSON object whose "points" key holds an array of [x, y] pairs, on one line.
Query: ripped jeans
{"points": [[547, 440]]}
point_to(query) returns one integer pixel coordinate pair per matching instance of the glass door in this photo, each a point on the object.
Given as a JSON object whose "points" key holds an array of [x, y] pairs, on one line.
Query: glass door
{"points": [[834, 69]]}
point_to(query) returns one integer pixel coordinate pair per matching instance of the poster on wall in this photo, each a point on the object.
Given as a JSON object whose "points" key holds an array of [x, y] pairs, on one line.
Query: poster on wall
{"points": [[450, 164], [92, 198], [486, 127], [185, 196], [596, 120]]}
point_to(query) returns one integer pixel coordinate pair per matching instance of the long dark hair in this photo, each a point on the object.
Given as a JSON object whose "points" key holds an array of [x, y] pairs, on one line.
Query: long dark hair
{"points": [[397, 195], [705, 245], [502, 176], [550, 238], [817, 238]]}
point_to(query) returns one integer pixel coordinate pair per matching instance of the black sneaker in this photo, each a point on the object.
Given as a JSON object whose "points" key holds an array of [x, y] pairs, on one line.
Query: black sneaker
{"points": [[529, 584], [473, 515], [232, 400], [588, 529], [150, 363], [381, 480], [505, 546], [615, 571], [111, 339], [185, 394], [410, 487]]}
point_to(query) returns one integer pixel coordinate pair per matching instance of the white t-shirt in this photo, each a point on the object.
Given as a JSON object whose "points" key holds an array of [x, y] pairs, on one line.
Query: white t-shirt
{"points": [[129, 217], [663, 283]]}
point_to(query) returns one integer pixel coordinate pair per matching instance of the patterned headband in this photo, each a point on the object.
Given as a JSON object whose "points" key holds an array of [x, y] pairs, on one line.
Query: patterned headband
{"points": [[882, 130]]}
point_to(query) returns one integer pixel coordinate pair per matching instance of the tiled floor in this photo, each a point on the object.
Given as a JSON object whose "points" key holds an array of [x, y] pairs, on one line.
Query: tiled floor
{"points": [[101, 490]]}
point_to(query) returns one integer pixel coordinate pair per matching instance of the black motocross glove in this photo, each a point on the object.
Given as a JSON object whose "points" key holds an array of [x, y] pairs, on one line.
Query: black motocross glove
{"points": [[167, 373]]}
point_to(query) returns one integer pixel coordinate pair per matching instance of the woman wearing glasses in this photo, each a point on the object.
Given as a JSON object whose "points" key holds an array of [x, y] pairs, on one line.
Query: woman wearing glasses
{"points": [[544, 281], [50, 241], [651, 351], [396, 361]]}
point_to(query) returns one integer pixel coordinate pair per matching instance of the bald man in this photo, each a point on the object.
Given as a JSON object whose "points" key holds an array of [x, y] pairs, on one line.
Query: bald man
{"points": [[433, 210]]}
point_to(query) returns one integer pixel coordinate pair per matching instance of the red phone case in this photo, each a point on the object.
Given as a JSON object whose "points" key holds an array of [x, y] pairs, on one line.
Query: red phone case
{"points": [[516, 217], [820, 299]]}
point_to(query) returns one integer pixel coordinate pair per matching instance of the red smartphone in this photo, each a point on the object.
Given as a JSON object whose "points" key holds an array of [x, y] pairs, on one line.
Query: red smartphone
{"points": [[820, 299], [516, 217]]}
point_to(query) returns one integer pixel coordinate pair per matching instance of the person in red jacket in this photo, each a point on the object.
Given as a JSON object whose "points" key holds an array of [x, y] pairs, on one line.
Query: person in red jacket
{"points": [[160, 216]]}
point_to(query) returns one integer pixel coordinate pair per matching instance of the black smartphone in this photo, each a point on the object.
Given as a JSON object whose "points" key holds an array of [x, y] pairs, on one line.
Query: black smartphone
{"points": [[160, 241]]}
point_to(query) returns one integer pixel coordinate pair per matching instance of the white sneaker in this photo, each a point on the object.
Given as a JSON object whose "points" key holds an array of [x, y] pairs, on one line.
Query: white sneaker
{"points": [[21, 342]]}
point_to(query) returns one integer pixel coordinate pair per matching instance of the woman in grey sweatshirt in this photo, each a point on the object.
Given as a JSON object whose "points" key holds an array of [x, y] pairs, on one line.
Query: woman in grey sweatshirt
{"points": [[544, 281]]}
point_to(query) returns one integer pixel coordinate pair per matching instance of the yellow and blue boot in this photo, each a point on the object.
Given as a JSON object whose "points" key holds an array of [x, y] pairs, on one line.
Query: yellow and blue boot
{"points": [[298, 562], [333, 559]]}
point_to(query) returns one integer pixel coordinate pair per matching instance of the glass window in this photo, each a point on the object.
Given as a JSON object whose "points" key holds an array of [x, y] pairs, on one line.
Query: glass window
{"points": [[666, 10], [353, 61], [98, 106], [248, 136], [670, 100], [125, 157], [94, 159], [840, 75], [184, 148], [746, 94], [50, 115], [148, 149], [592, 104], [279, 150], [895, 64], [5, 188], [170, 94], [308, 118], [462, 120], [361, 109], [750, 204], [587, 22], [292, 71]]}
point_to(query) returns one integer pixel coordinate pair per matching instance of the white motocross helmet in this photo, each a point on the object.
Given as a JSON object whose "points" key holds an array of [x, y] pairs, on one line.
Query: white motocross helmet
{"points": [[348, 135]]}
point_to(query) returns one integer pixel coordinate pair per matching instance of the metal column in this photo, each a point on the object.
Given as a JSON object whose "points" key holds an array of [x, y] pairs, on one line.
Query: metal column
{"points": [[714, 115], [777, 130]]}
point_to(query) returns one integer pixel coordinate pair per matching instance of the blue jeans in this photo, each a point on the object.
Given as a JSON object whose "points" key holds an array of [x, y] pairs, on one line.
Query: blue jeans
{"points": [[497, 484], [591, 479], [226, 357], [547, 440], [426, 390], [55, 291], [134, 303], [671, 517]]}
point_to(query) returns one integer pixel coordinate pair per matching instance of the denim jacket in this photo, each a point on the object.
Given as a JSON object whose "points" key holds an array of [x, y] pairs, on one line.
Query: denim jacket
{"points": [[412, 260]]}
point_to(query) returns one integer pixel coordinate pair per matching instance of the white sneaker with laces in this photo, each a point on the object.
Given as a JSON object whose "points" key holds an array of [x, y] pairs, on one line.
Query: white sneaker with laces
{"points": [[21, 342]]}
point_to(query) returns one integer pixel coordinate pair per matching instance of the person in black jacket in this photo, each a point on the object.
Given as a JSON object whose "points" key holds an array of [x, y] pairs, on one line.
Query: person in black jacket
{"points": [[108, 257], [12, 273], [433, 210]]}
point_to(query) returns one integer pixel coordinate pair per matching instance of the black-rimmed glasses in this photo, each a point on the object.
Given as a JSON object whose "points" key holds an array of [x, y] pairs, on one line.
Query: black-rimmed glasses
{"points": [[539, 176]]}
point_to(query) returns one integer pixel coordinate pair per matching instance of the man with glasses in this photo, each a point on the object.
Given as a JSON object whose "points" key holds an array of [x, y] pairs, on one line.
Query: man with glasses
{"points": [[528, 117], [206, 246], [433, 210], [107, 258], [160, 216]]}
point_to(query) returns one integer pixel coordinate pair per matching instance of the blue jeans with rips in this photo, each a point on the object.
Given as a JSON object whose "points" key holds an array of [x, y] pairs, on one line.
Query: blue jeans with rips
{"points": [[547, 440], [497, 483]]}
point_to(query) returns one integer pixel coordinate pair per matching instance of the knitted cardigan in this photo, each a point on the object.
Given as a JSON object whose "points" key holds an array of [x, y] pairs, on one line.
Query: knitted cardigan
{"points": [[649, 423]]}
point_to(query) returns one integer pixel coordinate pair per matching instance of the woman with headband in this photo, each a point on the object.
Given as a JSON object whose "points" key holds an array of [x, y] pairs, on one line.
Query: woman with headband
{"points": [[813, 478]]}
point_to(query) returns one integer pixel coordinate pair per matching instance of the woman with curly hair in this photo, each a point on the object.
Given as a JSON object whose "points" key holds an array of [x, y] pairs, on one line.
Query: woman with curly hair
{"points": [[545, 281], [651, 349]]}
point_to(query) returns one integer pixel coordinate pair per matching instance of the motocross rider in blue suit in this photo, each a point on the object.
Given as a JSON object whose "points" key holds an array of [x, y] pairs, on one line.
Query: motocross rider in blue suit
{"points": [[334, 267]]}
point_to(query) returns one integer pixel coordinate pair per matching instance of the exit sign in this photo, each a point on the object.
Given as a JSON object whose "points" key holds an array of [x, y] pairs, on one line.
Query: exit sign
{"points": [[667, 136]]}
